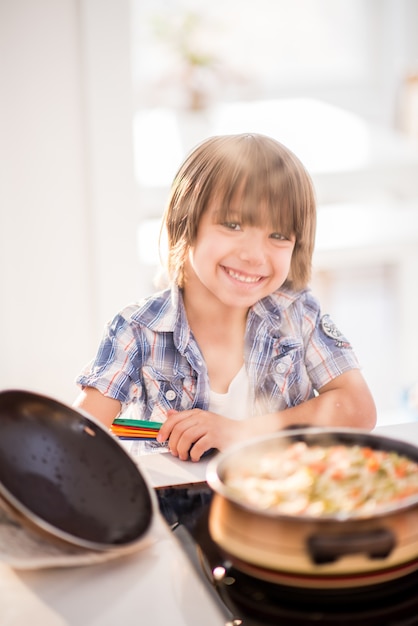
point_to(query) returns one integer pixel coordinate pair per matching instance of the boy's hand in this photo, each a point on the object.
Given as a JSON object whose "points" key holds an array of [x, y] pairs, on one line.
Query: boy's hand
{"points": [[193, 432]]}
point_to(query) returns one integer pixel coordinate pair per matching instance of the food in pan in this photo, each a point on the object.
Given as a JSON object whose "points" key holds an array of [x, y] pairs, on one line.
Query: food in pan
{"points": [[317, 480]]}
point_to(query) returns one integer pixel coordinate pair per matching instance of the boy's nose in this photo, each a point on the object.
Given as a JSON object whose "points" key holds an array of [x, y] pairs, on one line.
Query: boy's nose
{"points": [[253, 249]]}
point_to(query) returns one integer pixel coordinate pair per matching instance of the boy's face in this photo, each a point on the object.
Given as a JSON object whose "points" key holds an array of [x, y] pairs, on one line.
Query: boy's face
{"points": [[239, 264]]}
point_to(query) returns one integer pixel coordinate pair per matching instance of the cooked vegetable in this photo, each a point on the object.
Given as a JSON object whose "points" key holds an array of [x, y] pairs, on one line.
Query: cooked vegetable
{"points": [[320, 480]]}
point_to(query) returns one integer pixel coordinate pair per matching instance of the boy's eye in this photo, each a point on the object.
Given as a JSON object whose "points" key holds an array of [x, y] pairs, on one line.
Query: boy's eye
{"points": [[232, 225], [279, 236]]}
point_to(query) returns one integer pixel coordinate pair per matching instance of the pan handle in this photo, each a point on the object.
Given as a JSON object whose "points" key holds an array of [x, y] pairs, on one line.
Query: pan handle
{"points": [[377, 544]]}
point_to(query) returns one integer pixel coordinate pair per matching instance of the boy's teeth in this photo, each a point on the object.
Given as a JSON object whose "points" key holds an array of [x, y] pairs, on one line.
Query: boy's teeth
{"points": [[244, 279]]}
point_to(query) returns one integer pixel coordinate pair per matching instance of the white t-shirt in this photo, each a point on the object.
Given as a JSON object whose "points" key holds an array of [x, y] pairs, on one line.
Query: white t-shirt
{"points": [[234, 403]]}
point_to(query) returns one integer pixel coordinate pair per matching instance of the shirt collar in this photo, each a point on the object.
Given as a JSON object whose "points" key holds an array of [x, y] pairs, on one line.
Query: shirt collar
{"points": [[165, 312], [273, 305]]}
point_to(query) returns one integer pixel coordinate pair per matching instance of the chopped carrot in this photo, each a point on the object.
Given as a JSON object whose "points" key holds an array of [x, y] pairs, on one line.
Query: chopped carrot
{"points": [[373, 464]]}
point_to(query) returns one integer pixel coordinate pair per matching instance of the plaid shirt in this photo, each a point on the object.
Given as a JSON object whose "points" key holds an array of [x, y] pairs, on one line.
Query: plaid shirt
{"points": [[149, 360]]}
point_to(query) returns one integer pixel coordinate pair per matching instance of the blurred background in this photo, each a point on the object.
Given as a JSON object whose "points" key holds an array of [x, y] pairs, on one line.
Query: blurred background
{"points": [[100, 101]]}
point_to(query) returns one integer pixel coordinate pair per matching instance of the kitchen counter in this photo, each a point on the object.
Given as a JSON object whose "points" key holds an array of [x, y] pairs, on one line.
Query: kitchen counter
{"points": [[405, 432], [153, 586], [156, 585]]}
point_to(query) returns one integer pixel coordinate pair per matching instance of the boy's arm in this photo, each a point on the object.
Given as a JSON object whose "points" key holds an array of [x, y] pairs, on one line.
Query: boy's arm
{"points": [[345, 401], [101, 407]]}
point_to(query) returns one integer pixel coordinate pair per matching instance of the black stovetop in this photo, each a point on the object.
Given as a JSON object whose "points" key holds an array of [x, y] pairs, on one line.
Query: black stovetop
{"points": [[249, 601]]}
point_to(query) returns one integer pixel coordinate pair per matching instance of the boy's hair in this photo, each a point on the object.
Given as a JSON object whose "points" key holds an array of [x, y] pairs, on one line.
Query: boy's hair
{"points": [[255, 173]]}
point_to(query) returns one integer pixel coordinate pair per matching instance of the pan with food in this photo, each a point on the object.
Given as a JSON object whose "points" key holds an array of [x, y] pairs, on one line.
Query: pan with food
{"points": [[315, 507]]}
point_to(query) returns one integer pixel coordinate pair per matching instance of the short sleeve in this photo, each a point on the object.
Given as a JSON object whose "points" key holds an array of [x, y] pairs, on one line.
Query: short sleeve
{"points": [[114, 370], [328, 352]]}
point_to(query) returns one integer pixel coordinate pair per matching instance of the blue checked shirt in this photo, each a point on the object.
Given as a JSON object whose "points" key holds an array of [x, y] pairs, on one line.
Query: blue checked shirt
{"points": [[149, 360]]}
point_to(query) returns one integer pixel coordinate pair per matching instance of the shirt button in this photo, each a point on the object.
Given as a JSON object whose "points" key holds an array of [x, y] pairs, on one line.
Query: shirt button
{"points": [[170, 394], [280, 368]]}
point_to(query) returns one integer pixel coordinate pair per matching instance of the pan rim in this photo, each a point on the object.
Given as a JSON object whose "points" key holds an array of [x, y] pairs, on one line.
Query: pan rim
{"points": [[215, 470]]}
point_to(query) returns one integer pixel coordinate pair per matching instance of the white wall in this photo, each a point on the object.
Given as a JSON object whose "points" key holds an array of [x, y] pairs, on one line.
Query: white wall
{"points": [[65, 168]]}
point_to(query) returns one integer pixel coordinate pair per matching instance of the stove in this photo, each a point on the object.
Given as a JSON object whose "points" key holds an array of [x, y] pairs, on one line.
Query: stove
{"points": [[248, 601]]}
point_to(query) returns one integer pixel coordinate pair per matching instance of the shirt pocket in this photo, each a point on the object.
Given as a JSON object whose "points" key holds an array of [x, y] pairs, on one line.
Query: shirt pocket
{"points": [[287, 383], [167, 390]]}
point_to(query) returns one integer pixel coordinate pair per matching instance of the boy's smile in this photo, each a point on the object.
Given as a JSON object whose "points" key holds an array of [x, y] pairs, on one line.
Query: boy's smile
{"points": [[244, 278]]}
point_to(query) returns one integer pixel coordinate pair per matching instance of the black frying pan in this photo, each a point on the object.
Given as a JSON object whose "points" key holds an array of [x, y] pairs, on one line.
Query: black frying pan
{"points": [[65, 475]]}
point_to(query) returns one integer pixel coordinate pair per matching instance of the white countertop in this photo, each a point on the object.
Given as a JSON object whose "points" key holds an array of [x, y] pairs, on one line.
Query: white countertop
{"points": [[406, 432], [163, 469], [156, 585]]}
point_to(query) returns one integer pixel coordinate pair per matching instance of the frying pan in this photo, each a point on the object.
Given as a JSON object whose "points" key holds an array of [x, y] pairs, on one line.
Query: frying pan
{"points": [[62, 474]]}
